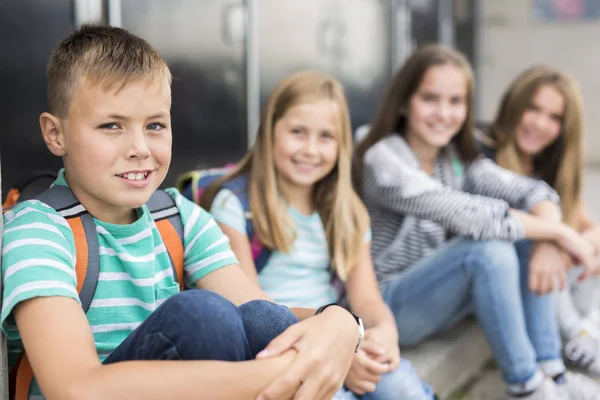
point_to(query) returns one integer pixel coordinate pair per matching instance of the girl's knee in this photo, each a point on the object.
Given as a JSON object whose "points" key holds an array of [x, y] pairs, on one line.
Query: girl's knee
{"points": [[402, 383], [495, 258]]}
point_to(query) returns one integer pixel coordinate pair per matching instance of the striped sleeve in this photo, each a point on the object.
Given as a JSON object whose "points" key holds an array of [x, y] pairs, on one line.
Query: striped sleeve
{"points": [[206, 248], [38, 258], [393, 182], [488, 179], [228, 210]]}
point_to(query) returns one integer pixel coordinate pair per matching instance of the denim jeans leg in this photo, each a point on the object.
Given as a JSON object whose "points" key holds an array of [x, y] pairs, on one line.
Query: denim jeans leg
{"points": [[402, 383], [435, 292], [540, 316], [264, 321], [192, 325]]}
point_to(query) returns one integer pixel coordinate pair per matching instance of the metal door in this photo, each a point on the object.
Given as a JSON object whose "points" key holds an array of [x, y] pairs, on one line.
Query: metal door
{"points": [[203, 43], [29, 29], [349, 39]]}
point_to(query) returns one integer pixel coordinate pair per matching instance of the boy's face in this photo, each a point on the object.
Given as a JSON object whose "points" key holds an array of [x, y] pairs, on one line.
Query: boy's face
{"points": [[117, 146]]}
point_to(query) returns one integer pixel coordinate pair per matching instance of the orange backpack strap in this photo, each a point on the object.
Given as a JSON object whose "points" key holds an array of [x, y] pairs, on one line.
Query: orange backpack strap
{"points": [[11, 198], [166, 215], [87, 265], [87, 248]]}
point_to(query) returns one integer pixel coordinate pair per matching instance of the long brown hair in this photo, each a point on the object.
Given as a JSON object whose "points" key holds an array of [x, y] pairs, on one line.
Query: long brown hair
{"points": [[561, 163], [343, 214], [391, 118]]}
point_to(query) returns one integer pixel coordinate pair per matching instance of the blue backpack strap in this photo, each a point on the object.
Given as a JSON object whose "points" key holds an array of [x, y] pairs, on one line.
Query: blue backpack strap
{"points": [[239, 186], [62, 199], [162, 207]]}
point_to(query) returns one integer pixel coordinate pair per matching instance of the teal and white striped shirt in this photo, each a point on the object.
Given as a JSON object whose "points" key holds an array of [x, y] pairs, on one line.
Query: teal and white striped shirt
{"points": [[38, 259]]}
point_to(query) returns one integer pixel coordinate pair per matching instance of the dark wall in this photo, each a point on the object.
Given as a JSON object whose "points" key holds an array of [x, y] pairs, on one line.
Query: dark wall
{"points": [[29, 30]]}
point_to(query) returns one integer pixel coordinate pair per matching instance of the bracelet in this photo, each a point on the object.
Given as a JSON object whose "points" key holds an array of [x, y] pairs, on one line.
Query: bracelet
{"points": [[361, 328]]}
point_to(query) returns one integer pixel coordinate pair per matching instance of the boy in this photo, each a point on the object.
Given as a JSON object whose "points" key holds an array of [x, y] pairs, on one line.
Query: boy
{"points": [[109, 119]]}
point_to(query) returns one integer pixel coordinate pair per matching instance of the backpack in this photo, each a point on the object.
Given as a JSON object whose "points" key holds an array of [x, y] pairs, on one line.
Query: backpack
{"points": [[162, 208], [192, 186]]}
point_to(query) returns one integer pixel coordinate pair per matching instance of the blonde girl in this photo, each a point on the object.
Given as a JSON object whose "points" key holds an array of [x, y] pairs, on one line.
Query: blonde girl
{"points": [[304, 208]]}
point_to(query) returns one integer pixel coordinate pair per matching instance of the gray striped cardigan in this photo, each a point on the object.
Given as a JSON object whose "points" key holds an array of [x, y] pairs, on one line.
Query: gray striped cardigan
{"points": [[413, 213]]}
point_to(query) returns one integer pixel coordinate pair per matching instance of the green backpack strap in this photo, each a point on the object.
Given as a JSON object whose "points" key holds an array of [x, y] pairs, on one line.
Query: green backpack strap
{"points": [[189, 180]]}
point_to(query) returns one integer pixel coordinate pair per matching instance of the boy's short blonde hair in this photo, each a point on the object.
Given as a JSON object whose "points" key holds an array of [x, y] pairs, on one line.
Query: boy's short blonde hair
{"points": [[100, 55]]}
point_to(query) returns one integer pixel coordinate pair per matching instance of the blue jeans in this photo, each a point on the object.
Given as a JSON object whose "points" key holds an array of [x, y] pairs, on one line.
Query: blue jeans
{"points": [[490, 278], [202, 325], [400, 384]]}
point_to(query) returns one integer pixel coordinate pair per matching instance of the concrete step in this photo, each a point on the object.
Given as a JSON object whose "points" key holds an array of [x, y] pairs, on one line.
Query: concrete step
{"points": [[449, 360]]}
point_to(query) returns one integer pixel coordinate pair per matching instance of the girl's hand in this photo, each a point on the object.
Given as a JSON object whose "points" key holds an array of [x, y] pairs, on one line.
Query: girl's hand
{"points": [[579, 248], [325, 344], [384, 339], [366, 369], [547, 268]]}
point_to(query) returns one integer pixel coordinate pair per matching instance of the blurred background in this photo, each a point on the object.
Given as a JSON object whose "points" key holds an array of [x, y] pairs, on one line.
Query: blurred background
{"points": [[226, 55]]}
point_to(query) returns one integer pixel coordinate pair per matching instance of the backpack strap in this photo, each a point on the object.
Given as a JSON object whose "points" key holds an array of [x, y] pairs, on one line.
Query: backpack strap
{"points": [[164, 212], [87, 265], [168, 221], [260, 253], [187, 184], [87, 249], [28, 187]]}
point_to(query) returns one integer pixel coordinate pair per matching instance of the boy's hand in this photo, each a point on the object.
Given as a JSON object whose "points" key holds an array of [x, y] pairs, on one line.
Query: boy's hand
{"points": [[325, 344], [366, 369]]}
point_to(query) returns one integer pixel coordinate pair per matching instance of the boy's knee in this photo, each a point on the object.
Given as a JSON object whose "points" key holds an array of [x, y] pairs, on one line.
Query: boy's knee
{"points": [[205, 325], [203, 309], [264, 321]]}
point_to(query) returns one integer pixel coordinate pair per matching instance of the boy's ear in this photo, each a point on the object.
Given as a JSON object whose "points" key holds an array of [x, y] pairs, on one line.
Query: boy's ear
{"points": [[53, 134]]}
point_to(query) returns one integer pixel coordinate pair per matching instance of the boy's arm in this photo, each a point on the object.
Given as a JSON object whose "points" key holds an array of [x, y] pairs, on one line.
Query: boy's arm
{"points": [[60, 347], [325, 342]]}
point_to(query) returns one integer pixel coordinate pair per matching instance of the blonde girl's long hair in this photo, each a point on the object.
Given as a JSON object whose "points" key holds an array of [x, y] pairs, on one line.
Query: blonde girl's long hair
{"points": [[561, 163], [343, 214]]}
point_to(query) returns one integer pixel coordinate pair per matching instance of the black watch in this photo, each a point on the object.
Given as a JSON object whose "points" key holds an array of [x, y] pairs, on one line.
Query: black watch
{"points": [[361, 328]]}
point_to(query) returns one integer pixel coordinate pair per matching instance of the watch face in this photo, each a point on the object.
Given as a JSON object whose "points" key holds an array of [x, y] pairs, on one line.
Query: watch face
{"points": [[361, 328], [361, 333]]}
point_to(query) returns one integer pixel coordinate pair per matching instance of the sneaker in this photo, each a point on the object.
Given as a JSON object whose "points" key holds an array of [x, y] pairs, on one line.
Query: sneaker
{"points": [[547, 391], [592, 321], [579, 387], [583, 352]]}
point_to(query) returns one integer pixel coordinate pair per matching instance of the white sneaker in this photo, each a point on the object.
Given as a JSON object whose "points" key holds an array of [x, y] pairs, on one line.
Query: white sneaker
{"points": [[592, 322], [547, 391], [583, 352], [579, 387]]}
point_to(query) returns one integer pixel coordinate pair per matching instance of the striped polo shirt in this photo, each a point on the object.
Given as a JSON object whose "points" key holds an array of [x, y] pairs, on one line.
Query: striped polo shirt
{"points": [[38, 259]]}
